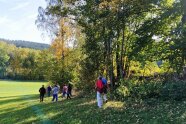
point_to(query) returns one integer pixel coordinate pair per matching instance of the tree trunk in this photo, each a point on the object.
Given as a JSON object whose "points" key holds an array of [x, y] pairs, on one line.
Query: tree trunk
{"points": [[123, 43], [110, 66], [110, 61], [117, 61], [184, 11], [122, 52], [106, 68], [183, 22]]}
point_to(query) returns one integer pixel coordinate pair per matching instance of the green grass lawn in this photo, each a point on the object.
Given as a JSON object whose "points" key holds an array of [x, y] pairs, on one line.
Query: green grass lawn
{"points": [[15, 88], [19, 104]]}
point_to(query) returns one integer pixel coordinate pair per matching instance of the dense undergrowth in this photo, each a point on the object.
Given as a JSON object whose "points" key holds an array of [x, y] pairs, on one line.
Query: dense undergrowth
{"points": [[154, 88]]}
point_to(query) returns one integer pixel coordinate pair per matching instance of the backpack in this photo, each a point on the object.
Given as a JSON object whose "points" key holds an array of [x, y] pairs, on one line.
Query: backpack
{"points": [[104, 81], [99, 86]]}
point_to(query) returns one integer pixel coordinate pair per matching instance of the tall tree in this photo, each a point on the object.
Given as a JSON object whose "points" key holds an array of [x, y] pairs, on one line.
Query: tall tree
{"points": [[3, 59], [119, 32]]}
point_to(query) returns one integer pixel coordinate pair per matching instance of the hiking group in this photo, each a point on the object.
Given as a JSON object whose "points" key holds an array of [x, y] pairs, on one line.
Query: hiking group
{"points": [[101, 87], [66, 91]]}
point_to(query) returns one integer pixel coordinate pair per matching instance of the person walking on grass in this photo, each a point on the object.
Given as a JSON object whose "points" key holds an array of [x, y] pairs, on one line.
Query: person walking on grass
{"points": [[105, 86], [42, 92], [49, 89], [55, 91], [64, 91], [99, 91], [69, 91]]}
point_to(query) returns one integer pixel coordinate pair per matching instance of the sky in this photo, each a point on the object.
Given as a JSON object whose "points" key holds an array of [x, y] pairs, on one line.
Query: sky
{"points": [[17, 20]]}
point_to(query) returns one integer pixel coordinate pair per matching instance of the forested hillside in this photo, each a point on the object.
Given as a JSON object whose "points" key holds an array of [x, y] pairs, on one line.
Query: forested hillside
{"points": [[29, 64], [18, 63], [26, 44]]}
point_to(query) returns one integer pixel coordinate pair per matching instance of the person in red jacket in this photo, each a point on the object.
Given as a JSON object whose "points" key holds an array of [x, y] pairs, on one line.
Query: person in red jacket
{"points": [[99, 89]]}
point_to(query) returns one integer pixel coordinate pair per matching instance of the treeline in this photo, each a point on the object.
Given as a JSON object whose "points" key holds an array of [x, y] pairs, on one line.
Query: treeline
{"points": [[26, 44], [19, 63], [30, 64]]}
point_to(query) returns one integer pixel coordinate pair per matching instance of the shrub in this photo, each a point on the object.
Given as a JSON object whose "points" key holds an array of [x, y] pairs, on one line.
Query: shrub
{"points": [[139, 89], [154, 88], [175, 90]]}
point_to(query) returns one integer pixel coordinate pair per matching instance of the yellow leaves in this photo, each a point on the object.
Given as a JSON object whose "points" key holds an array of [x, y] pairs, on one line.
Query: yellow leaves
{"points": [[60, 44], [114, 104], [112, 4], [65, 28], [167, 3], [59, 48], [88, 103], [124, 90]]}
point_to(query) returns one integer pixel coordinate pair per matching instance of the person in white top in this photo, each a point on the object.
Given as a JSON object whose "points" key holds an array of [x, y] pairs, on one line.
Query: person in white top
{"points": [[55, 91]]}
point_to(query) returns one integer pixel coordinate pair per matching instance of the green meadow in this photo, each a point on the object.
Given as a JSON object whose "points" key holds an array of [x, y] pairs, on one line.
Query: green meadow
{"points": [[16, 88], [19, 104]]}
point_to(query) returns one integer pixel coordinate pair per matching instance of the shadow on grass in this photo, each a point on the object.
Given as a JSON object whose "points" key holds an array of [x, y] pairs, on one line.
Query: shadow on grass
{"points": [[24, 115], [21, 109], [14, 99], [85, 111]]}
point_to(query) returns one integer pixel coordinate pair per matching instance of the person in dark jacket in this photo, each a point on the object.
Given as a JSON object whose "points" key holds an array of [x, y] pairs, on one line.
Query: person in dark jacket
{"points": [[49, 89], [69, 91], [42, 92]]}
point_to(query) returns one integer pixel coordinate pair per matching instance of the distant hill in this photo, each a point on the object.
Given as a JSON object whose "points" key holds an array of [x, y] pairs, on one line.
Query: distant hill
{"points": [[26, 44]]}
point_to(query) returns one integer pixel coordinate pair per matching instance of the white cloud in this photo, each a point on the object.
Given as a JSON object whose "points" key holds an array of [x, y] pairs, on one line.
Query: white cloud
{"points": [[20, 6]]}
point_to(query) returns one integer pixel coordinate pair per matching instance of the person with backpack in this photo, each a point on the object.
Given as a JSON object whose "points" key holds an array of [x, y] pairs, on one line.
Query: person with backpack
{"points": [[99, 90], [105, 86], [42, 92]]}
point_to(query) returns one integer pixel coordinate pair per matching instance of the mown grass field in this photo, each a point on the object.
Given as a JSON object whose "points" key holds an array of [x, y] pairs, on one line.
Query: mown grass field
{"points": [[19, 104]]}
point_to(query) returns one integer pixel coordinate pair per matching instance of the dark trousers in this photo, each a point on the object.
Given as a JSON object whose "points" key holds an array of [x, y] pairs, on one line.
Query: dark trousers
{"points": [[41, 97], [64, 93], [55, 96], [68, 96], [48, 93], [70, 93]]}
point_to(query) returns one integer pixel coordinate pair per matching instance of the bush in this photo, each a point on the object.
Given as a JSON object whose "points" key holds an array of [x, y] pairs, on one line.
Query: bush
{"points": [[175, 90], [154, 88], [139, 89]]}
